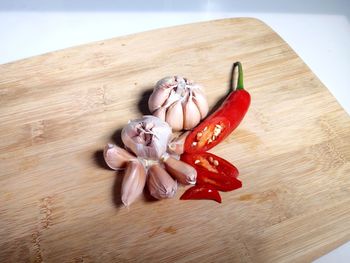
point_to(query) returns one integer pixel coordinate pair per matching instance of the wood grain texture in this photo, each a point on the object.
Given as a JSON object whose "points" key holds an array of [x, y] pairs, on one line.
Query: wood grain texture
{"points": [[59, 203]]}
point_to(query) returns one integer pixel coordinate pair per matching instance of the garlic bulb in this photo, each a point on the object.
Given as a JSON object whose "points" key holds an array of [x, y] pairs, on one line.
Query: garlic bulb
{"points": [[160, 183], [147, 137], [179, 102], [133, 182]]}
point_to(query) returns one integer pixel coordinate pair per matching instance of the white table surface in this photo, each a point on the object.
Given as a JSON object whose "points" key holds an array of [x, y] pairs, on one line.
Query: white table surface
{"points": [[319, 31]]}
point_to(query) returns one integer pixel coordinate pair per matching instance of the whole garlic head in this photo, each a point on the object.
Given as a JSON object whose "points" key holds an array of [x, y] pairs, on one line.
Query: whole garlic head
{"points": [[147, 137], [179, 102]]}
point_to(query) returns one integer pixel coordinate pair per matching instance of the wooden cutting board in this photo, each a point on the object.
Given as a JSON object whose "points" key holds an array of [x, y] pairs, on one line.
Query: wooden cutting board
{"points": [[59, 203]]}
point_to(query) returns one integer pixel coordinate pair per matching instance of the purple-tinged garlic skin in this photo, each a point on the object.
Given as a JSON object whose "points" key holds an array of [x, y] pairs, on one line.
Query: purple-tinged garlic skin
{"points": [[147, 137], [181, 171], [176, 146], [116, 158], [174, 116], [160, 184], [192, 115], [160, 113], [133, 182], [201, 101], [161, 94], [179, 102]]}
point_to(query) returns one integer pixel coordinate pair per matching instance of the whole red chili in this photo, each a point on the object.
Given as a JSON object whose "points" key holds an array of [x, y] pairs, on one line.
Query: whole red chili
{"points": [[201, 192], [223, 121]]}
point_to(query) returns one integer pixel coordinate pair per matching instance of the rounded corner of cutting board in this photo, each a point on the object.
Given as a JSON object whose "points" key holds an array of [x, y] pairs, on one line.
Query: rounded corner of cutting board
{"points": [[252, 21]]}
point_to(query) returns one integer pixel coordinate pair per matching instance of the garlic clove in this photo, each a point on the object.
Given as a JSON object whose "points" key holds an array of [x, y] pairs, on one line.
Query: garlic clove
{"points": [[201, 102], [160, 113], [176, 146], [161, 93], [160, 183], [116, 157], [174, 116], [158, 97], [192, 115], [133, 182], [173, 97], [182, 172]]}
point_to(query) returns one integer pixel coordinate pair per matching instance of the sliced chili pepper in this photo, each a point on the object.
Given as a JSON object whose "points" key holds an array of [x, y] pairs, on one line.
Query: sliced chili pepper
{"points": [[213, 170], [223, 121], [201, 192]]}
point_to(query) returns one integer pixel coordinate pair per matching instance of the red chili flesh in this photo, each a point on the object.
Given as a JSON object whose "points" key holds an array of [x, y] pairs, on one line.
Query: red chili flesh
{"points": [[214, 171], [201, 192], [216, 127]]}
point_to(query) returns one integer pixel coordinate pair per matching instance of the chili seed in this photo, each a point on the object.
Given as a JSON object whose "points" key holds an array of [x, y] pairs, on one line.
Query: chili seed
{"points": [[205, 128], [199, 135], [211, 159], [210, 141], [197, 161], [217, 131], [213, 137], [194, 143], [216, 163]]}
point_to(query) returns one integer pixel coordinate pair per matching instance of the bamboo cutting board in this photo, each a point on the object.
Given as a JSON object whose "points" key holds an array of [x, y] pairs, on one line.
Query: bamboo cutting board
{"points": [[59, 203]]}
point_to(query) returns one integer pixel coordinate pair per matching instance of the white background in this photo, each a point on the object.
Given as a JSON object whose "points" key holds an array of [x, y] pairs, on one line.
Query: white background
{"points": [[319, 31]]}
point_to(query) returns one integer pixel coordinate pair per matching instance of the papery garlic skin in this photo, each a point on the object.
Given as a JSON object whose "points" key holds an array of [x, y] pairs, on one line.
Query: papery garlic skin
{"points": [[174, 116], [162, 93], [201, 101], [179, 102], [176, 146], [116, 157], [181, 171], [147, 137], [133, 182], [160, 184], [192, 115]]}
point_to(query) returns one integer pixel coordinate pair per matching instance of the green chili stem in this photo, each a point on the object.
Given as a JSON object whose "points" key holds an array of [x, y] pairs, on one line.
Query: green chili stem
{"points": [[240, 76]]}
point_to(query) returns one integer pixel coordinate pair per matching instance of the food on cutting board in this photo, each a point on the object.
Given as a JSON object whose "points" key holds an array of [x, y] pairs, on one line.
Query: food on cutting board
{"points": [[213, 170], [202, 192], [178, 101], [146, 159], [152, 156], [216, 127]]}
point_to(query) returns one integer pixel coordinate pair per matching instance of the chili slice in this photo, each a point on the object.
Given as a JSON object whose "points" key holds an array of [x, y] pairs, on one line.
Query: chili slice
{"points": [[213, 170], [201, 192]]}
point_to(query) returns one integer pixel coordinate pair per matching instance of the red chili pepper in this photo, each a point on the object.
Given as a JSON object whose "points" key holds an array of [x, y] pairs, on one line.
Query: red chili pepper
{"points": [[201, 192], [223, 121], [213, 170]]}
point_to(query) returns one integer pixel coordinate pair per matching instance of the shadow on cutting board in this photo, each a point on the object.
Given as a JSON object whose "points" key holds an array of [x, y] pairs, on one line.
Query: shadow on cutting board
{"points": [[100, 162], [98, 155], [99, 159], [142, 105], [116, 188], [117, 137]]}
